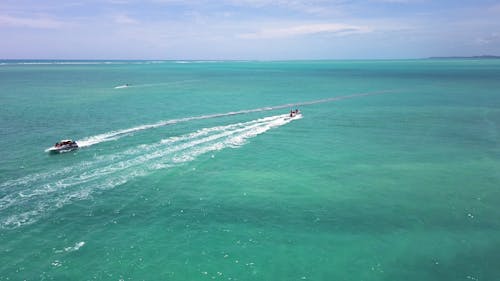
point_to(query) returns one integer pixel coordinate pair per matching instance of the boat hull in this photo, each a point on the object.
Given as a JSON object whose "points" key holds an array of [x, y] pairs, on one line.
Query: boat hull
{"points": [[56, 150]]}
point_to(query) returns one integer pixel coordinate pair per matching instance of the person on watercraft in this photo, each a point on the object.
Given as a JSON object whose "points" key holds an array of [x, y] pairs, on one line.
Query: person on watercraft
{"points": [[63, 143]]}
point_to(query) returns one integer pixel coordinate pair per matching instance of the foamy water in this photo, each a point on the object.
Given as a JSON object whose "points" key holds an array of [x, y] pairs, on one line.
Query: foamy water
{"points": [[42, 193], [114, 135]]}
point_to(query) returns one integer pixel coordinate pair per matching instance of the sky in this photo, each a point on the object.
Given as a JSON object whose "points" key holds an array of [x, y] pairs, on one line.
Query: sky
{"points": [[248, 29]]}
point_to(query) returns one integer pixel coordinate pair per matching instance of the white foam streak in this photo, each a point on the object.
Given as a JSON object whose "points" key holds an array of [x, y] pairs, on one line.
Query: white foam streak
{"points": [[28, 180], [46, 193], [179, 82], [114, 135], [76, 247]]}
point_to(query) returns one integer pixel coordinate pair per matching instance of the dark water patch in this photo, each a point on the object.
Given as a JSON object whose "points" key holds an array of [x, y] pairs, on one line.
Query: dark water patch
{"points": [[470, 261]]}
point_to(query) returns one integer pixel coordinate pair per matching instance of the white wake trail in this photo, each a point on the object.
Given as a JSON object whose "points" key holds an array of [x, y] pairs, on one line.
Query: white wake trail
{"points": [[28, 203], [114, 135]]}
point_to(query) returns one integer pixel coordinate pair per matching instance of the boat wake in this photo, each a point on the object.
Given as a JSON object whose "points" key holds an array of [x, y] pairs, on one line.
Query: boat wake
{"points": [[27, 199], [172, 83], [114, 135]]}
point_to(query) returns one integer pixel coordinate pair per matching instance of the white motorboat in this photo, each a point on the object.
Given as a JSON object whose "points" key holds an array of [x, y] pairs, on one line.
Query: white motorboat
{"points": [[63, 146]]}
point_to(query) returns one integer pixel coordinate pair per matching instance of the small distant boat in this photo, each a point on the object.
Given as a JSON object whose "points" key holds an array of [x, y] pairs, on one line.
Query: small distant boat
{"points": [[122, 86], [63, 146]]}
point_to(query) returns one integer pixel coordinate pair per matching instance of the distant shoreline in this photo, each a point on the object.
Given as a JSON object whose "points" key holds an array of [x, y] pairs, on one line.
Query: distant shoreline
{"points": [[470, 57]]}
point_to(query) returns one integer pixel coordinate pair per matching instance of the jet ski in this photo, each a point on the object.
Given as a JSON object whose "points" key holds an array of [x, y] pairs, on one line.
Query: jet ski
{"points": [[294, 113], [63, 146]]}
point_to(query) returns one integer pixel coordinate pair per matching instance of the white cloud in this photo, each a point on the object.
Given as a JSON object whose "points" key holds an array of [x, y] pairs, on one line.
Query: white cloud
{"points": [[305, 29], [489, 39], [41, 22], [124, 19], [312, 7]]}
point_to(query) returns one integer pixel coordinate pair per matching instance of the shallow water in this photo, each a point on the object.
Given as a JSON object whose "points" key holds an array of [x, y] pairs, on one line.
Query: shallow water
{"points": [[195, 172]]}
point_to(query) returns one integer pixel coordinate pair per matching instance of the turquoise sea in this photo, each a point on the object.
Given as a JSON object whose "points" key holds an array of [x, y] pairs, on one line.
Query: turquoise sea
{"points": [[194, 172]]}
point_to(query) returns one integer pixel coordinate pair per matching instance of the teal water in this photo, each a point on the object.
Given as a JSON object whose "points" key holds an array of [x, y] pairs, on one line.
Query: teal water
{"points": [[400, 182]]}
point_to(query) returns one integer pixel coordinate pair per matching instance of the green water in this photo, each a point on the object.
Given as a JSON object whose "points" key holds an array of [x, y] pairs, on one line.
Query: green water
{"points": [[399, 183]]}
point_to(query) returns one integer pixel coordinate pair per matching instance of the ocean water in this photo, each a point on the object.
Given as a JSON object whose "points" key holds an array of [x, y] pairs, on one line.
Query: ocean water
{"points": [[191, 170]]}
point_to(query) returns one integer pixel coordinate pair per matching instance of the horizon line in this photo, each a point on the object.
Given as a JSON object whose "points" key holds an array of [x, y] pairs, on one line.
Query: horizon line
{"points": [[256, 60]]}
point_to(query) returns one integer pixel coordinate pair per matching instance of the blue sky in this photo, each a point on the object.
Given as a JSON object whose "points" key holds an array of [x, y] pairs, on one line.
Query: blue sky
{"points": [[247, 29]]}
